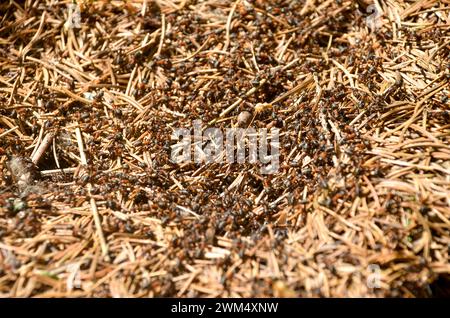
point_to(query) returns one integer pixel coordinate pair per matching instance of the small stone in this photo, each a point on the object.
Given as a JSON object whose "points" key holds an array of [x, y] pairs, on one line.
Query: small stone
{"points": [[23, 171], [19, 205], [244, 118]]}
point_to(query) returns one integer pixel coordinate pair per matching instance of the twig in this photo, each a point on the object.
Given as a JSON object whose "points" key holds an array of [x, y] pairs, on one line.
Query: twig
{"points": [[48, 139], [98, 224]]}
